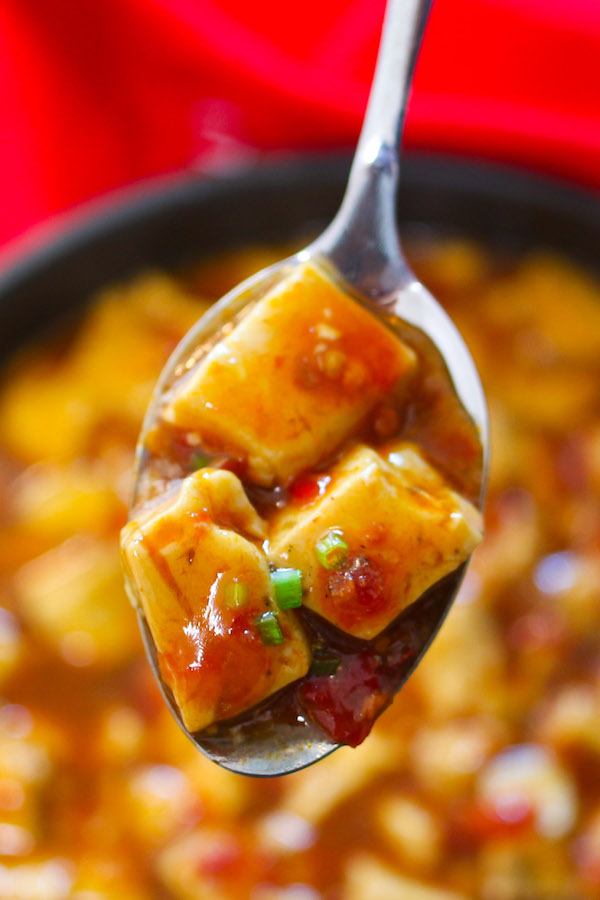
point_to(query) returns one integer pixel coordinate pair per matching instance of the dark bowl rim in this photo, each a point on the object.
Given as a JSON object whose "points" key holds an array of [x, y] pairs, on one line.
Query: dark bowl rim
{"points": [[65, 231]]}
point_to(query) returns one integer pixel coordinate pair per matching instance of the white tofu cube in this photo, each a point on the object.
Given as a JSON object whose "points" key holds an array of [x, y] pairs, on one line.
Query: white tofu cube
{"points": [[404, 529], [295, 376], [183, 560]]}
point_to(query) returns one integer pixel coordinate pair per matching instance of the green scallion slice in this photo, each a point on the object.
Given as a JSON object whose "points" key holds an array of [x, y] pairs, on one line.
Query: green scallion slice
{"points": [[324, 665], [199, 461], [269, 629], [332, 551], [236, 594], [287, 587]]}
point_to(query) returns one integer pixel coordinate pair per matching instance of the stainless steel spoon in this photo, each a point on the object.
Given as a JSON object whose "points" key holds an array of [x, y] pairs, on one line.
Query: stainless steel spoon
{"points": [[362, 244]]}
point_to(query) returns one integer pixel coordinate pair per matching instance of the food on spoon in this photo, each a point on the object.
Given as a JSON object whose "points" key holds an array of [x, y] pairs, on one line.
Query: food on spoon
{"points": [[292, 380], [205, 588], [335, 521], [383, 532]]}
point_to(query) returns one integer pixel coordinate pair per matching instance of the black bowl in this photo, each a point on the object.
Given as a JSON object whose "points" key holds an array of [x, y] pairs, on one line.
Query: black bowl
{"points": [[175, 219]]}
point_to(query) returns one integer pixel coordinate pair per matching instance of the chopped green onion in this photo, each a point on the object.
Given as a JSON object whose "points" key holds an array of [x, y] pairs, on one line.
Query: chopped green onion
{"points": [[269, 629], [332, 551], [325, 665], [287, 587], [199, 461], [236, 594]]}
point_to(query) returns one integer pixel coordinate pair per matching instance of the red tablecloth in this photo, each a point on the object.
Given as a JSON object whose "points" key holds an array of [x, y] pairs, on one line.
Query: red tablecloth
{"points": [[98, 93]]}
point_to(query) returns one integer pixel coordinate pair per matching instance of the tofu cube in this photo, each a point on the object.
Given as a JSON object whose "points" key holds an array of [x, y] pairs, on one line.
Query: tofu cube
{"points": [[182, 560], [367, 876], [292, 380], [72, 598], [404, 527]]}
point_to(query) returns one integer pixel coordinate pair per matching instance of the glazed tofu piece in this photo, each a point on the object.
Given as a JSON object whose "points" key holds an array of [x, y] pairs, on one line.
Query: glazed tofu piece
{"points": [[384, 531], [292, 380], [194, 567]]}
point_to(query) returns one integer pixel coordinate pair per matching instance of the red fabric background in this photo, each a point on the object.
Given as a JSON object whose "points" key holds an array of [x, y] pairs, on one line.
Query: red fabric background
{"points": [[99, 93]]}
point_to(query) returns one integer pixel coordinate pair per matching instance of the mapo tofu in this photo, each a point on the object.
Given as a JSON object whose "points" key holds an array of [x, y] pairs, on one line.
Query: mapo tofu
{"points": [[300, 408], [482, 777]]}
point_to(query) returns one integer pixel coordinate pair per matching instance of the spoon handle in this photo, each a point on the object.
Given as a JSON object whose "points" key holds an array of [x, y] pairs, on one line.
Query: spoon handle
{"points": [[362, 241]]}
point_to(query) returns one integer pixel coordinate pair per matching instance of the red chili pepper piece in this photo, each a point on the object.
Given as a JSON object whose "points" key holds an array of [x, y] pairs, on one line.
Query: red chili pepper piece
{"points": [[345, 706]]}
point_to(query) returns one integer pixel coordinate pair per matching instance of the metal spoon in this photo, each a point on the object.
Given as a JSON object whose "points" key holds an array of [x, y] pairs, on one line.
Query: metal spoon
{"points": [[362, 244]]}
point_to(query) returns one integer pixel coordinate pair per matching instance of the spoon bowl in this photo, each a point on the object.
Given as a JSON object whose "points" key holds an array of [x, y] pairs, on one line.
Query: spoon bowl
{"points": [[361, 251], [272, 751]]}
